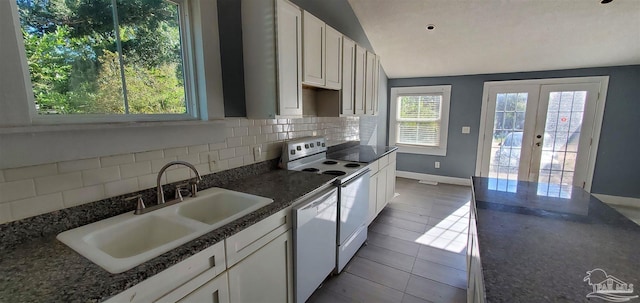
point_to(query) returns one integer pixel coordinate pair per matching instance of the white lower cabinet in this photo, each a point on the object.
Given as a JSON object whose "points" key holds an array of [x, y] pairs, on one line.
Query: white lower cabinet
{"points": [[382, 185], [212, 291], [265, 275]]}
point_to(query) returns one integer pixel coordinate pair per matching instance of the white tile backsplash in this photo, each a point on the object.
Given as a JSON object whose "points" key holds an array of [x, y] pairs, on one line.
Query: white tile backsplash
{"points": [[21, 173], [83, 195], [33, 190], [78, 165], [135, 169], [116, 160], [17, 190], [58, 183], [100, 175], [121, 187], [21, 209]]}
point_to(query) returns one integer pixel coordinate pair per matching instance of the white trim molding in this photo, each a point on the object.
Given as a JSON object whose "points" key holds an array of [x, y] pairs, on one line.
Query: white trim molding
{"points": [[431, 179]]}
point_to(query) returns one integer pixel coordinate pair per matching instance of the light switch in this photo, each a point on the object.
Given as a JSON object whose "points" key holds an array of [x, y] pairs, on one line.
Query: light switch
{"points": [[466, 129]]}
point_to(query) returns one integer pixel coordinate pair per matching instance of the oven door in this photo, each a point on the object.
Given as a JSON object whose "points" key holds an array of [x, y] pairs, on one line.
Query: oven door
{"points": [[354, 205]]}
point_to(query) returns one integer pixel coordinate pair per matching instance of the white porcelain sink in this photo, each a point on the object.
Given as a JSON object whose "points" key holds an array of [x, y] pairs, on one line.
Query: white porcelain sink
{"points": [[125, 241], [224, 206]]}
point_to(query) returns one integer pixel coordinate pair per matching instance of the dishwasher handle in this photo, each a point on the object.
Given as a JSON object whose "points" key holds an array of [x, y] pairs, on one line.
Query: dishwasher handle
{"points": [[315, 205]]}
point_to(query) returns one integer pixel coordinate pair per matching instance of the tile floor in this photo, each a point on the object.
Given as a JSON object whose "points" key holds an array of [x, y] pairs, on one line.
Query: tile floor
{"points": [[415, 251]]}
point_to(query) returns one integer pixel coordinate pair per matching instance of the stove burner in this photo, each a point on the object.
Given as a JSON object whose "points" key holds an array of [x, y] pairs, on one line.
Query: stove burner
{"points": [[334, 172], [352, 165], [330, 162], [311, 169]]}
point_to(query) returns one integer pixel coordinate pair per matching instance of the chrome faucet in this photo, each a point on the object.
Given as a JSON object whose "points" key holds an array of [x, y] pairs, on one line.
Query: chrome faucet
{"points": [[193, 183]]}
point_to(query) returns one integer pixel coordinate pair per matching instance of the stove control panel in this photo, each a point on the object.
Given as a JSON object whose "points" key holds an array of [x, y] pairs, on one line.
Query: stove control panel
{"points": [[299, 148]]}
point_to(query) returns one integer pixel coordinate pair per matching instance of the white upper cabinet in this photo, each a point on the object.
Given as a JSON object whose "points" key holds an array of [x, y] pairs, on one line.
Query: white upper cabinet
{"points": [[322, 53], [348, 71], [333, 58], [272, 58], [359, 80], [314, 50], [369, 84], [376, 86]]}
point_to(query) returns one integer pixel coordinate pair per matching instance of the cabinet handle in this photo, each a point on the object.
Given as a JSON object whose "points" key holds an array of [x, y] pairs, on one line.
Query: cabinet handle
{"points": [[212, 261]]}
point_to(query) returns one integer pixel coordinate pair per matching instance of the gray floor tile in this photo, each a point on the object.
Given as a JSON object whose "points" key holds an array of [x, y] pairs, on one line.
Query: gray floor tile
{"points": [[391, 243], [397, 213], [396, 232], [326, 296], [434, 291], [379, 273], [401, 223], [362, 290], [411, 299], [440, 273], [387, 257], [444, 257]]}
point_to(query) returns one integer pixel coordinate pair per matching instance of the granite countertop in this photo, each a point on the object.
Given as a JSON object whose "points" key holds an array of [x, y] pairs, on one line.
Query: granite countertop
{"points": [[45, 270], [538, 242], [361, 153]]}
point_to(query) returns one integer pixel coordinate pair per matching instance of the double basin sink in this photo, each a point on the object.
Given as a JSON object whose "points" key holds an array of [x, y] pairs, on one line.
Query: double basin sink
{"points": [[122, 242]]}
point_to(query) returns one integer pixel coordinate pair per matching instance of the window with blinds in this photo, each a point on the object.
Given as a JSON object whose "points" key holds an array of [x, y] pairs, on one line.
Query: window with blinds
{"points": [[419, 119]]}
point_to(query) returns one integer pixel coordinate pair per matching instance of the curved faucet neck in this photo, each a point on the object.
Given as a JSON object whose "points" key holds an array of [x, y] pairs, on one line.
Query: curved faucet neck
{"points": [[164, 168]]}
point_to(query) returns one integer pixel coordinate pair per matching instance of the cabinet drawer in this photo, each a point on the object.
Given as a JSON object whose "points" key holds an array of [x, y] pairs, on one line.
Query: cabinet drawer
{"points": [[210, 260], [374, 167], [257, 235], [382, 162], [392, 157]]}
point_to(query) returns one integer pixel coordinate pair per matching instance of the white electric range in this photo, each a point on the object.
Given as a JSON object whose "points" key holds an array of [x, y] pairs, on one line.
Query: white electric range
{"points": [[309, 155]]}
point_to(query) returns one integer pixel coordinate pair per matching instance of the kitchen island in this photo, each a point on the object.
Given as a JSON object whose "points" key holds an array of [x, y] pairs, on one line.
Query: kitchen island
{"points": [[547, 243]]}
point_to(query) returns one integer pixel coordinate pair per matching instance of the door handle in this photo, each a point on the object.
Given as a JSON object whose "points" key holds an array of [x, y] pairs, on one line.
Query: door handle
{"points": [[538, 144]]}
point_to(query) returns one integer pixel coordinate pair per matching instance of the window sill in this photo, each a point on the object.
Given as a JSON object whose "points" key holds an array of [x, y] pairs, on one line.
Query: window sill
{"points": [[431, 151], [39, 127]]}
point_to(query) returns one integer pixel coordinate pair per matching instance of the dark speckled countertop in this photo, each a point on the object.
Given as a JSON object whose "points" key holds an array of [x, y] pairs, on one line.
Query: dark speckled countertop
{"points": [[537, 242], [45, 270], [361, 153]]}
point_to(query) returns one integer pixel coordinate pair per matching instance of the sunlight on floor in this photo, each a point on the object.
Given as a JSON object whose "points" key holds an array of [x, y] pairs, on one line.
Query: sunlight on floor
{"points": [[450, 233]]}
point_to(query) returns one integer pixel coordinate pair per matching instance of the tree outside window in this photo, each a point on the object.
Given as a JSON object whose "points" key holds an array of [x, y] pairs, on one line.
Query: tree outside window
{"points": [[104, 56]]}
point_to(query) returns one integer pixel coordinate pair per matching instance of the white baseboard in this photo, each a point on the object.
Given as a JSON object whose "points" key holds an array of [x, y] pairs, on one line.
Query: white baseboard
{"points": [[430, 179], [617, 200]]}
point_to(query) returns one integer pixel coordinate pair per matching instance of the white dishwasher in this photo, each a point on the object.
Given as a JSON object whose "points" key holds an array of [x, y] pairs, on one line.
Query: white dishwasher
{"points": [[314, 240]]}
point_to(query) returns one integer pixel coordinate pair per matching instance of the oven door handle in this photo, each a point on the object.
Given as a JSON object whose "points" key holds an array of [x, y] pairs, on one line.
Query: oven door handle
{"points": [[366, 171]]}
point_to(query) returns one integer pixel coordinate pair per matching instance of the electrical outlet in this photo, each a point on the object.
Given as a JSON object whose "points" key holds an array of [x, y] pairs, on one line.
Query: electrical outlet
{"points": [[257, 153], [213, 163], [437, 164]]}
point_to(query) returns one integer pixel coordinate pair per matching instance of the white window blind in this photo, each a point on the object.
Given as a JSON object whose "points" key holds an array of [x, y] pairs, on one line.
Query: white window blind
{"points": [[419, 119]]}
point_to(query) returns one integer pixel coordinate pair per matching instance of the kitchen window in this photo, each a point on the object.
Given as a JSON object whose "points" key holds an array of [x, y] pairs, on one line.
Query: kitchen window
{"points": [[419, 119], [112, 60]]}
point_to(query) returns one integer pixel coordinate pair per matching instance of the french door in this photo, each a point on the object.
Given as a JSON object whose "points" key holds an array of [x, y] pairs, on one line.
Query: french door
{"points": [[539, 132]]}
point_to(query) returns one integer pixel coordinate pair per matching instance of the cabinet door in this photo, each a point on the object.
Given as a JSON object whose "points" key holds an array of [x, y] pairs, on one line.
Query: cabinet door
{"points": [[289, 58], [333, 58], [369, 84], [360, 69], [214, 291], [314, 49], [373, 192], [391, 181], [376, 86], [265, 275], [348, 73], [381, 196]]}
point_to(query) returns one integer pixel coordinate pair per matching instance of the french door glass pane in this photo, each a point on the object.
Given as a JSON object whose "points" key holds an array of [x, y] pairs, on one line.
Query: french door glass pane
{"points": [[561, 138], [508, 127]]}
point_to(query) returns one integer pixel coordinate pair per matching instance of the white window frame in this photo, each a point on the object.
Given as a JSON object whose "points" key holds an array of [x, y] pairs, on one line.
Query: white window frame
{"points": [[40, 141], [200, 92], [445, 92]]}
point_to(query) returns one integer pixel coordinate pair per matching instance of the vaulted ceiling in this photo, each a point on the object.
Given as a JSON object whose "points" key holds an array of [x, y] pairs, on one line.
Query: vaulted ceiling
{"points": [[497, 36]]}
